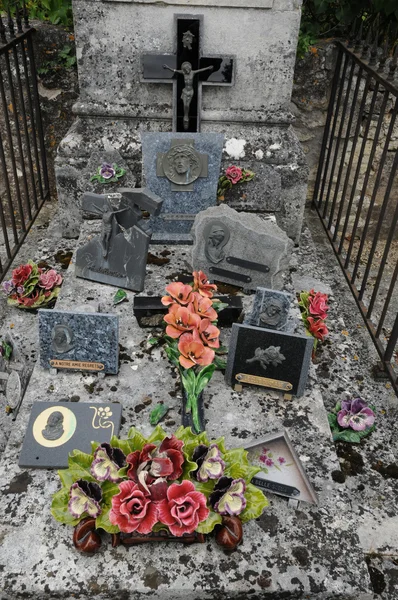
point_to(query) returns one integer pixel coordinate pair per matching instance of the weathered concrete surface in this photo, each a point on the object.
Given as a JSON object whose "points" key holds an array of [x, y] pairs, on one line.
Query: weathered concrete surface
{"points": [[287, 553]]}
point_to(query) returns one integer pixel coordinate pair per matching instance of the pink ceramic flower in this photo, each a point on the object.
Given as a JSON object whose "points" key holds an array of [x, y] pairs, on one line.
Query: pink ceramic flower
{"points": [[183, 509], [132, 509], [202, 285], [21, 274], [50, 279], [178, 292], [203, 307], [317, 328], [234, 174], [209, 334], [180, 319], [163, 461], [193, 352], [317, 305]]}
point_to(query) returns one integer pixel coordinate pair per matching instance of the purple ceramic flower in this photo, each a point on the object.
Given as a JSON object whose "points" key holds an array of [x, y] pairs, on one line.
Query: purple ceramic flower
{"points": [[84, 497], [107, 462], [355, 414], [228, 496], [107, 171], [8, 286], [209, 461]]}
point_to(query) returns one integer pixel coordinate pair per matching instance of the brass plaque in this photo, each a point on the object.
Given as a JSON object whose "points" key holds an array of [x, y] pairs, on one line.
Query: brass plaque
{"points": [[76, 364], [264, 381]]}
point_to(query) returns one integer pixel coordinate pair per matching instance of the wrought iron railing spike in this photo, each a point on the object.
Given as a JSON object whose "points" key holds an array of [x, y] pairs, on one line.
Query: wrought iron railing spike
{"points": [[358, 39], [18, 17], [25, 16], [366, 44], [393, 63], [3, 38], [10, 23], [374, 46], [351, 35], [384, 54]]}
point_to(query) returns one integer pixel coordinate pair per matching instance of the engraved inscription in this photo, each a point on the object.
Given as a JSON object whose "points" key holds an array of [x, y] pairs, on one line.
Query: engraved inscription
{"points": [[264, 381], [76, 364]]}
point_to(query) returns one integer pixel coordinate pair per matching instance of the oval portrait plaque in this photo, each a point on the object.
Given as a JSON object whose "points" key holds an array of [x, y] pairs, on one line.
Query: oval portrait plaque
{"points": [[13, 389]]}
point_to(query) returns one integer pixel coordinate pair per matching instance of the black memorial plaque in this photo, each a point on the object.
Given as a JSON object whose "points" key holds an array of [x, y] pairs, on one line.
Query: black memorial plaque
{"points": [[57, 428]]}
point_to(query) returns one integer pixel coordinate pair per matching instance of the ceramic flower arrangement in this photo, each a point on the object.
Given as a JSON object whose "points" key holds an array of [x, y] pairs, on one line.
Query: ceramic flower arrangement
{"points": [[233, 175], [108, 173], [314, 311], [32, 286], [351, 420], [176, 485], [192, 337]]}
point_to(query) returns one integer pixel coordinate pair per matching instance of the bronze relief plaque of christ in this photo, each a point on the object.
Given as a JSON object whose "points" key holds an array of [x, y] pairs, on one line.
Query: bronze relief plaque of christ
{"points": [[182, 165]]}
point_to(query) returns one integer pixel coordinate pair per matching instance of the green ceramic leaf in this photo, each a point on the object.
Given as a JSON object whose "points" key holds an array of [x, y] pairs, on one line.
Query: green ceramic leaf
{"points": [[207, 526], [158, 413], [188, 467], [203, 378], [153, 341], [59, 507], [103, 522], [66, 477], [332, 421], [134, 442], [205, 488], [119, 297], [7, 350], [157, 435], [348, 435], [79, 465], [255, 503]]}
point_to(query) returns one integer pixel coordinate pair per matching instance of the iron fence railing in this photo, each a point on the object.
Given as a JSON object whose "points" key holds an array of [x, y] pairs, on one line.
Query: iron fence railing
{"points": [[356, 189], [23, 168]]}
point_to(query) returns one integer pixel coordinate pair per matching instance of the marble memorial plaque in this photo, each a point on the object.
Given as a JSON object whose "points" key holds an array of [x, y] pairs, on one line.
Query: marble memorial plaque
{"points": [[240, 248], [182, 169], [268, 358], [270, 310], [282, 472], [118, 255], [83, 341], [57, 428]]}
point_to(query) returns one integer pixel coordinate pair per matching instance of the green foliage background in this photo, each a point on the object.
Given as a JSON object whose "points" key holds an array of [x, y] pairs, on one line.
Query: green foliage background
{"points": [[58, 12]]}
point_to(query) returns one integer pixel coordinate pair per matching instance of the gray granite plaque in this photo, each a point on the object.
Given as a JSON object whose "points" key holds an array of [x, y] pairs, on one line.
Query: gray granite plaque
{"points": [[240, 248], [79, 341], [57, 428], [268, 358], [270, 310], [183, 169], [118, 255]]}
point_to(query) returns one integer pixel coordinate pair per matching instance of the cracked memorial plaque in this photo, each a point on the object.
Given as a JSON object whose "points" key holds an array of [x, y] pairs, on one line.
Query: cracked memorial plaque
{"points": [[79, 341], [268, 358], [271, 310], [57, 428], [282, 472]]}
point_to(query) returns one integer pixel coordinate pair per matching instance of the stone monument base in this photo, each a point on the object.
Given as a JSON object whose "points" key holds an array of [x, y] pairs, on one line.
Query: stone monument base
{"points": [[272, 151]]}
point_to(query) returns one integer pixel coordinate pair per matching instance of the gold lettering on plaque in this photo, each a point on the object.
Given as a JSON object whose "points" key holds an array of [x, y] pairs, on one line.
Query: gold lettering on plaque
{"points": [[264, 381], [77, 364]]}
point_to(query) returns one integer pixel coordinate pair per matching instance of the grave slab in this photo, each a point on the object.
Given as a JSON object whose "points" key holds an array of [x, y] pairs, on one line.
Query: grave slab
{"points": [[240, 248], [287, 553], [181, 203]]}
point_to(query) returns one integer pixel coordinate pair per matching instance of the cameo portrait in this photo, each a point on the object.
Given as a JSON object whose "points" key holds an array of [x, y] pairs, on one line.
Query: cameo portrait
{"points": [[182, 164], [216, 236], [54, 426], [62, 339], [273, 313]]}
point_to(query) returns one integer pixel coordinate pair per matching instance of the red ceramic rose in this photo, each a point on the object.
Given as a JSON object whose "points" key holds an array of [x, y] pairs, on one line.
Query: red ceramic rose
{"points": [[234, 174], [49, 279], [164, 461], [183, 509], [132, 509], [317, 328], [21, 274], [317, 305]]}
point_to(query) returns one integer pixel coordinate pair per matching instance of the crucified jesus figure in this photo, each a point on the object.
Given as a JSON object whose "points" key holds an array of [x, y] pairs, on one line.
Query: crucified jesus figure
{"points": [[187, 92], [108, 212]]}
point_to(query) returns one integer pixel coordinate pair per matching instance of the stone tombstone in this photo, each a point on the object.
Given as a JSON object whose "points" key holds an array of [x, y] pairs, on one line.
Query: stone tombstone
{"points": [[74, 179], [270, 310], [79, 341], [183, 169], [57, 428], [14, 374], [240, 248], [120, 96], [268, 358], [118, 255]]}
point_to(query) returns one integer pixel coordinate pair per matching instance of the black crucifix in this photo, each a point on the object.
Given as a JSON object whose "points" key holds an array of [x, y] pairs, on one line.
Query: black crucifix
{"points": [[187, 70]]}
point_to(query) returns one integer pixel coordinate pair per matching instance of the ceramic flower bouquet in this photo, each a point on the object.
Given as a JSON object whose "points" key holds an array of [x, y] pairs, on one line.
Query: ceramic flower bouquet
{"points": [[108, 173], [32, 286], [233, 175], [314, 311], [351, 420], [165, 487], [192, 338]]}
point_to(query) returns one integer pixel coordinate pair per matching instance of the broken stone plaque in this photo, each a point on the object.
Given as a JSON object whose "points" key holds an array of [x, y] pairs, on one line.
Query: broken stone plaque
{"points": [[183, 169], [268, 358], [57, 428], [79, 341], [118, 255], [14, 375], [240, 248], [270, 310]]}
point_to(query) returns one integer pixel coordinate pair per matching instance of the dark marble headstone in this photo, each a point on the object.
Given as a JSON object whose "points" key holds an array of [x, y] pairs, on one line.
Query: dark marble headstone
{"points": [[270, 310], [269, 358], [118, 255], [57, 428], [186, 189], [79, 341]]}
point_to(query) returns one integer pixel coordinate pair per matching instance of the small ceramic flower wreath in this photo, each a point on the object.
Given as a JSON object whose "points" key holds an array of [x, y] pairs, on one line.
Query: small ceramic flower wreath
{"points": [[351, 420], [32, 286], [108, 173], [232, 176], [180, 484]]}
